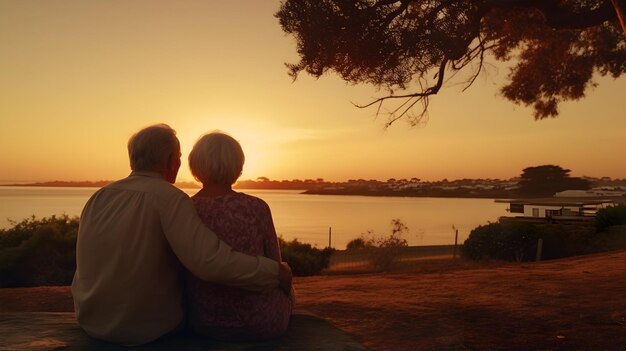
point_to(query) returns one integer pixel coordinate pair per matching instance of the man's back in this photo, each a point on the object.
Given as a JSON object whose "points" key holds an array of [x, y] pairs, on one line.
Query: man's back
{"points": [[127, 285]]}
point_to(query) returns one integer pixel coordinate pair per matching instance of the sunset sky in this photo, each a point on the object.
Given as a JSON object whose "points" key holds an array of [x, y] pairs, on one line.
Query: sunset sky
{"points": [[77, 78]]}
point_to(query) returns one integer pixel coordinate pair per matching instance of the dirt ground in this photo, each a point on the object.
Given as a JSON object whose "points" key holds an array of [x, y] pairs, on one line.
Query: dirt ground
{"points": [[570, 304]]}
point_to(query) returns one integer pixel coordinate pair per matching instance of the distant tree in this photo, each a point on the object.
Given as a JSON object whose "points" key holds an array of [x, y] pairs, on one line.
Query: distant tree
{"points": [[555, 46], [262, 179], [547, 180]]}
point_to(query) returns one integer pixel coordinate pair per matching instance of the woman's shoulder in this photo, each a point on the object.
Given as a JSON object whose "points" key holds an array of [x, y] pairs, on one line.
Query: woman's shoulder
{"points": [[233, 200], [252, 200]]}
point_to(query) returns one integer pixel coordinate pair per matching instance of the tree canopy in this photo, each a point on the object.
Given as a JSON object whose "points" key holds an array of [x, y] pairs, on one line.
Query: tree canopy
{"points": [[547, 180], [555, 46]]}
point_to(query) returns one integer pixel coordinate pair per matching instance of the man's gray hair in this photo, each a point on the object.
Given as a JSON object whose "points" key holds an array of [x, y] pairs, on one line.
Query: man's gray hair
{"points": [[216, 158], [150, 148]]}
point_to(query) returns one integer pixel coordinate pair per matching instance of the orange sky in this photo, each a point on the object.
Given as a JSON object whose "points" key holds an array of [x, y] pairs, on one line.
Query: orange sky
{"points": [[77, 78]]}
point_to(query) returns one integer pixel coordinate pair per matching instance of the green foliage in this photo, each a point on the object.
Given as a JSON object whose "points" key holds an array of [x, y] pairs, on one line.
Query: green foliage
{"points": [[506, 240], [304, 259], [383, 250], [610, 216], [38, 252]]}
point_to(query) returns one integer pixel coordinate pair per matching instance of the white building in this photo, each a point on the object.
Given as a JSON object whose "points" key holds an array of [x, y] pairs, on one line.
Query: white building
{"points": [[562, 207]]}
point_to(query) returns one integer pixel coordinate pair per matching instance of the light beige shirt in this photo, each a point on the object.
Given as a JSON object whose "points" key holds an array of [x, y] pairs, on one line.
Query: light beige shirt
{"points": [[133, 236]]}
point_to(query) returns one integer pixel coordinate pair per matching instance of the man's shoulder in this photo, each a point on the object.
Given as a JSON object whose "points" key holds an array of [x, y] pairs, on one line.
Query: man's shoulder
{"points": [[154, 186]]}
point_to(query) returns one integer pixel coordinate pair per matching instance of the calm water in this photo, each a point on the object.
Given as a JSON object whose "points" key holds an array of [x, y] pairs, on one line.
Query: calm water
{"points": [[306, 217]]}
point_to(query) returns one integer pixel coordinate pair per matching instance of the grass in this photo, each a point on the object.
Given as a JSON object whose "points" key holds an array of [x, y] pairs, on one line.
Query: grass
{"points": [[574, 303]]}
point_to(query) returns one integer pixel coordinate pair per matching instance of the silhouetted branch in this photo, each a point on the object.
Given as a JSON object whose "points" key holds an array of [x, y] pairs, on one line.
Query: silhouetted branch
{"points": [[413, 98], [404, 4], [396, 43], [480, 64], [619, 10]]}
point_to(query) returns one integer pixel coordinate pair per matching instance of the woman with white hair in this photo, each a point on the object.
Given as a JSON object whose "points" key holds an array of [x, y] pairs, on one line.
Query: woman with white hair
{"points": [[245, 223]]}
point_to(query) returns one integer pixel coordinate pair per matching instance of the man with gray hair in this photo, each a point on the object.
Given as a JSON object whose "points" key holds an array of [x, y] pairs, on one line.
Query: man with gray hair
{"points": [[134, 238]]}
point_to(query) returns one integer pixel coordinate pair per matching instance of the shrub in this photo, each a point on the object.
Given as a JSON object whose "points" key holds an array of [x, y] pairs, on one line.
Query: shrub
{"points": [[610, 216], [38, 252], [512, 240], [382, 251], [304, 259], [506, 240], [355, 244], [565, 240]]}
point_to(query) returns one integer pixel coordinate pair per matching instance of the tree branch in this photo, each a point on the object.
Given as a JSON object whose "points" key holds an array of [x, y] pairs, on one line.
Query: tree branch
{"points": [[413, 98], [480, 64], [404, 4], [384, 2], [619, 7]]}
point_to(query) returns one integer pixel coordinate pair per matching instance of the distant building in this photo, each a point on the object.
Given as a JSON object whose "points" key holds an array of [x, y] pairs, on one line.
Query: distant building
{"points": [[564, 206], [590, 193]]}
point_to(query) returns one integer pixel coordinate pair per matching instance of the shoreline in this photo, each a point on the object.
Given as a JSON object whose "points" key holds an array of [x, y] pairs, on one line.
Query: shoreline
{"points": [[444, 194], [342, 192]]}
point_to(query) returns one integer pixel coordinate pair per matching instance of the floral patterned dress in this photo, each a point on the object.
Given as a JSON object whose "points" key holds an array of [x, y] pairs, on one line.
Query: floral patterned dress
{"points": [[226, 313]]}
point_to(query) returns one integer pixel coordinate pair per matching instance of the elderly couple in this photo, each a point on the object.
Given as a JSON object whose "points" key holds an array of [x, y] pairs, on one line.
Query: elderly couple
{"points": [[151, 261]]}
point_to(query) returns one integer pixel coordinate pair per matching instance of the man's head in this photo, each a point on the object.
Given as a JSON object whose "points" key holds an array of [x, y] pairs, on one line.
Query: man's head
{"points": [[156, 149]]}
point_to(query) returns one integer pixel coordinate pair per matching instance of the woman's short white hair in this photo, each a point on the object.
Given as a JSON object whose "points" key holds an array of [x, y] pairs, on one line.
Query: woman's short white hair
{"points": [[150, 148], [216, 158]]}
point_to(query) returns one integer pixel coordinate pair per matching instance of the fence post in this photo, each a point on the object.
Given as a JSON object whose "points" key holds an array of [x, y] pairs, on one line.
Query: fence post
{"points": [[456, 238], [539, 248], [330, 235]]}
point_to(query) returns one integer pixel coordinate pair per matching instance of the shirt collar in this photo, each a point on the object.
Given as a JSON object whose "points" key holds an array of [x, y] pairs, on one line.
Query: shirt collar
{"points": [[145, 174]]}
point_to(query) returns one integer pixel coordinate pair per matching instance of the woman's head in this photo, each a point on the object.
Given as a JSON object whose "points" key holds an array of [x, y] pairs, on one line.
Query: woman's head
{"points": [[216, 158]]}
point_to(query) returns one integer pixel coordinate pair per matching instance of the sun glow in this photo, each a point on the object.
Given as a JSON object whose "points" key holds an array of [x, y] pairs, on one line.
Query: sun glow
{"points": [[76, 88], [260, 143]]}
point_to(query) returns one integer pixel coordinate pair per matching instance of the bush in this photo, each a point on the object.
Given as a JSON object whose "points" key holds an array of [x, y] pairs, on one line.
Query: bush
{"points": [[382, 251], [565, 240], [304, 259], [506, 240], [38, 252], [355, 244], [610, 216], [512, 240]]}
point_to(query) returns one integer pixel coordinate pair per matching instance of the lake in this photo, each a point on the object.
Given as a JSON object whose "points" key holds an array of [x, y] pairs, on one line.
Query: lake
{"points": [[296, 215]]}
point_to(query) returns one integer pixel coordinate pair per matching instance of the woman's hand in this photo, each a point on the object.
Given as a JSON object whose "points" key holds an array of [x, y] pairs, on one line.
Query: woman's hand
{"points": [[285, 277]]}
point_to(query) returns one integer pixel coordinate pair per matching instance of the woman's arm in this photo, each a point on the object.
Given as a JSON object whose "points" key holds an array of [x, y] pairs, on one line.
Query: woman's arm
{"points": [[271, 249]]}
